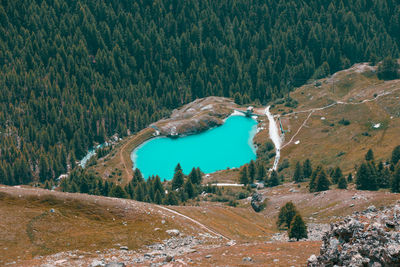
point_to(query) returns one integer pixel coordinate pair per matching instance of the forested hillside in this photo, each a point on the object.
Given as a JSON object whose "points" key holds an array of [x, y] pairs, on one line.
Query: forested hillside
{"points": [[75, 72]]}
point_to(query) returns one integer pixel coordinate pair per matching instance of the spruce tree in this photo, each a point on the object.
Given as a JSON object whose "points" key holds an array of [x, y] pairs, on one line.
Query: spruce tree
{"points": [[298, 228], [157, 198], [364, 178], [193, 176], [178, 167], [274, 179], [118, 192], [261, 174], [337, 174], [286, 214], [396, 155], [370, 155], [171, 199], [298, 173], [350, 178], [312, 185], [396, 180], [251, 171], [189, 190], [342, 183], [322, 183], [243, 176], [177, 180], [307, 168]]}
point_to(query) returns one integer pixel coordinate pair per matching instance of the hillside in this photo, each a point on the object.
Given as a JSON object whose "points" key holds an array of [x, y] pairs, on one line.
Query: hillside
{"points": [[40, 226], [76, 73]]}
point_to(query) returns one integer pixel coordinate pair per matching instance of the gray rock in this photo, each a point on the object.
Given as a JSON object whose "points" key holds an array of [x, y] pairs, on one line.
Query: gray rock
{"points": [[96, 263], [363, 239], [207, 256], [115, 264], [173, 232], [247, 259], [257, 202], [123, 248]]}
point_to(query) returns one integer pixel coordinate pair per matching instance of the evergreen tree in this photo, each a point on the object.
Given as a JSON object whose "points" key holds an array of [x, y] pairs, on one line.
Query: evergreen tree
{"points": [[298, 228], [261, 174], [396, 155], [178, 168], [388, 70], [364, 179], [298, 173], [251, 171], [286, 214], [189, 190], [243, 176], [337, 174], [137, 177], [193, 176], [396, 180], [274, 179], [307, 168], [322, 183], [370, 155], [177, 180], [312, 185], [350, 178], [117, 191], [157, 198], [342, 183], [171, 199]]}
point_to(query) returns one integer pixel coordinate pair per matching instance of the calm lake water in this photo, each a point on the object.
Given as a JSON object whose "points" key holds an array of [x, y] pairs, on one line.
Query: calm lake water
{"points": [[229, 145]]}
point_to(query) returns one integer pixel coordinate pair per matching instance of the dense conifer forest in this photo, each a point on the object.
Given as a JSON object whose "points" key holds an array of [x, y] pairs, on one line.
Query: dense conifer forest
{"points": [[73, 73]]}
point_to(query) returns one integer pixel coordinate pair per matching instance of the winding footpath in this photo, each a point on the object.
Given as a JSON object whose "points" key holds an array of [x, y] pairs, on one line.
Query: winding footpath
{"points": [[331, 105]]}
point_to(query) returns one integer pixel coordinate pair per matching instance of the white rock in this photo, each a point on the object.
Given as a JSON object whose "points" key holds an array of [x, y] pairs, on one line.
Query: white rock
{"points": [[173, 232]]}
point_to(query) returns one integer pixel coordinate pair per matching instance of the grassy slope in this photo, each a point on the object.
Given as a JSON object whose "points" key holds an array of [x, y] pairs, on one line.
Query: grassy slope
{"points": [[331, 143], [79, 222]]}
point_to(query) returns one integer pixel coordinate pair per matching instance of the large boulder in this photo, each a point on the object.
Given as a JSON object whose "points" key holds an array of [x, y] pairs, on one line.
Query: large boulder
{"points": [[363, 239], [257, 202]]}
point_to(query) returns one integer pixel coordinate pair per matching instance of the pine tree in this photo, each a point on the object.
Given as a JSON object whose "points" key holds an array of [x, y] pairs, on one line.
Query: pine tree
{"points": [[189, 190], [370, 155], [286, 214], [322, 183], [117, 191], [178, 168], [337, 174], [350, 178], [298, 228], [274, 179], [177, 180], [298, 173], [157, 198], [193, 176], [199, 175], [137, 177], [396, 155], [313, 185], [307, 168], [342, 183], [388, 70], [251, 171], [243, 176], [261, 174], [396, 180], [364, 179], [171, 199]]}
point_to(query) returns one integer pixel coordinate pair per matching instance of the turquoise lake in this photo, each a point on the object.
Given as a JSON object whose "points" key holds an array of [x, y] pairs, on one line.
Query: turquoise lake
{"points": [[229, 145]]}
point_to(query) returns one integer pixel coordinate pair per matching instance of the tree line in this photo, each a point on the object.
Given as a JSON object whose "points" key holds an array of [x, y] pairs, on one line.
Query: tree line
{"points": [[152, 190], [369, 174], [74, 73]]}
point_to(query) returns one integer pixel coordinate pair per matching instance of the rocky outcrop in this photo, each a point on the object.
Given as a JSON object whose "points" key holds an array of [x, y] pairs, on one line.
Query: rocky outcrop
{"points": [[257, 202], [369, 238], [197, 116]]}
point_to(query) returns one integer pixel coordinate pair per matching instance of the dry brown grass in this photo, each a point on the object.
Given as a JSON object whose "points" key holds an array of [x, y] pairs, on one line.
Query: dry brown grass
{"points": [[28, 228], [119, 160]]}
